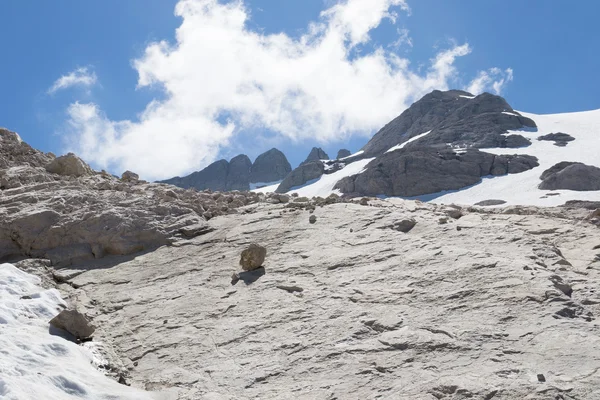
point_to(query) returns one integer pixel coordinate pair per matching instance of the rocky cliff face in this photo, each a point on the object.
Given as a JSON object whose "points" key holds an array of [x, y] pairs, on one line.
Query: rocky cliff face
{"points": [[414, 172], [237, 174], [271, 166], [452, 117], [60, 209], [316, 154]]}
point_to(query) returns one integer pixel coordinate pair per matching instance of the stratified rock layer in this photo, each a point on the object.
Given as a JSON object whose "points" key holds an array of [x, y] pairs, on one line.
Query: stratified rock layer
{"points": [[351, 307]]}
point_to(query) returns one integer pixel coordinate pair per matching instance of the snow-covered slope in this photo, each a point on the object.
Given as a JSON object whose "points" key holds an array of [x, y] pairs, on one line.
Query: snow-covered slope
{"points": [[522, 188], [519, 188], [37, 365]]}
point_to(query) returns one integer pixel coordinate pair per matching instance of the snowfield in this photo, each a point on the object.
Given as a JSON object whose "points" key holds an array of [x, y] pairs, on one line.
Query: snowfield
{"points": [[35, 364], [515, 189], [522, 189]]}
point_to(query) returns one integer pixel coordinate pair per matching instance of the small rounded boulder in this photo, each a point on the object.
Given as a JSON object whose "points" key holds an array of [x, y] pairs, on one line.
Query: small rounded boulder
{"points": [[253, 257]]}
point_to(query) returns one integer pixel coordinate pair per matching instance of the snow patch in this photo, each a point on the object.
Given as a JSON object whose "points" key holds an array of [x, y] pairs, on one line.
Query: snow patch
{"points": [[324, 185], [510, 113], [412, 139], [358, 153], [467, 97], [259, 185], [522, 188], [37, 365]]}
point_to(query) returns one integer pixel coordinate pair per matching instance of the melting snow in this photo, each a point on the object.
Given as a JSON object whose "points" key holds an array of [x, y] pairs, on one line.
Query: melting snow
{"points": [[358, 153], [37, 365], [258, 186], [467, 97], [412, 139], [522, 188], [324, 186]]}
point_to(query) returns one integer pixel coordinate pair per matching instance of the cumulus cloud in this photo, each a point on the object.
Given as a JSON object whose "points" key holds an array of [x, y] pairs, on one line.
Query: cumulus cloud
{"points": [[82, 77], [494, 80], [221, 79]]}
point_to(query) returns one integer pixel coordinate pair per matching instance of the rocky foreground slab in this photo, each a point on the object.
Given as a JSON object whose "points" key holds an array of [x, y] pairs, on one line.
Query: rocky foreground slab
{"points": [[460, 303]]}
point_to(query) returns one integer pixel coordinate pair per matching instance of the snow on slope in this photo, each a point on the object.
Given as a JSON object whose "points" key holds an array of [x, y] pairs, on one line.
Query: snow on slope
{"points": [[37, 365], [324, 186], [412, 139], [522, 188]]}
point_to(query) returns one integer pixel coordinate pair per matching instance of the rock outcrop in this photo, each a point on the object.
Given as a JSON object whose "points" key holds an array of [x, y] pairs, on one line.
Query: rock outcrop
{"points": [[316, 154], [69, 165], [271, 166], [454, 117], [306, 172], [414, 172], [74, 214], [75, 323], [213, 177], [560, 139], [571, 176], [343, 153], [352, 307], [237, 174]]}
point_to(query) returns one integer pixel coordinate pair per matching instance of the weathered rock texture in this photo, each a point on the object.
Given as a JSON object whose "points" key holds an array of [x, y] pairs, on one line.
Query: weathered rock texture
{"points": [[67, 217], [237, 174], [73, 322], [351, 307], [271, 166], [304, 173], [413, 172], [571, 176], [560, 139], [343, 153], [316, 154], [454, 117]]}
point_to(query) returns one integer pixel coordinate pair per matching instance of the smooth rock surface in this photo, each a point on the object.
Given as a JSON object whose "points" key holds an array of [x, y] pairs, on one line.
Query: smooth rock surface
{"points": [[438, 313]]}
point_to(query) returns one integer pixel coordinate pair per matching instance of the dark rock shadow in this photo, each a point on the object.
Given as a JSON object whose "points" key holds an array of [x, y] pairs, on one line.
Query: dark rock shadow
{"points": [[249, 277]]}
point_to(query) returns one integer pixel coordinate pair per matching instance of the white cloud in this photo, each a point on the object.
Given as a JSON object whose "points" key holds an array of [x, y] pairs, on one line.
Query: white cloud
{"points": [[494, 79], [314, 87], [82, 77]]}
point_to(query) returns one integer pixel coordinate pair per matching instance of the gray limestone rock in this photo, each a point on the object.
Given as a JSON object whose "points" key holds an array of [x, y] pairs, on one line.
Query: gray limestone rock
{"points": [[271, 166], [412, 172], [253, 257], [316, 154], [238, 173], [560, 139], [343, 153], [129, 176], [301, 175], [73, 322], [454, 117], [571, 176], [69, 165]]}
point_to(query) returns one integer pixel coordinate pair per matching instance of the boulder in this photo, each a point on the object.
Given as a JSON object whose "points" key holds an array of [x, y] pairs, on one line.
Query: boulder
{"points": [[253, 257], [129, 176], [312, 219], [560, 139], [75, 323], [571, 176], [238, 173], [69, 165]]}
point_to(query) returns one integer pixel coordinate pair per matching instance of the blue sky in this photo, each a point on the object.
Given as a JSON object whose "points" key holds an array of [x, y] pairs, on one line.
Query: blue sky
{"points": [[550, 46]]}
